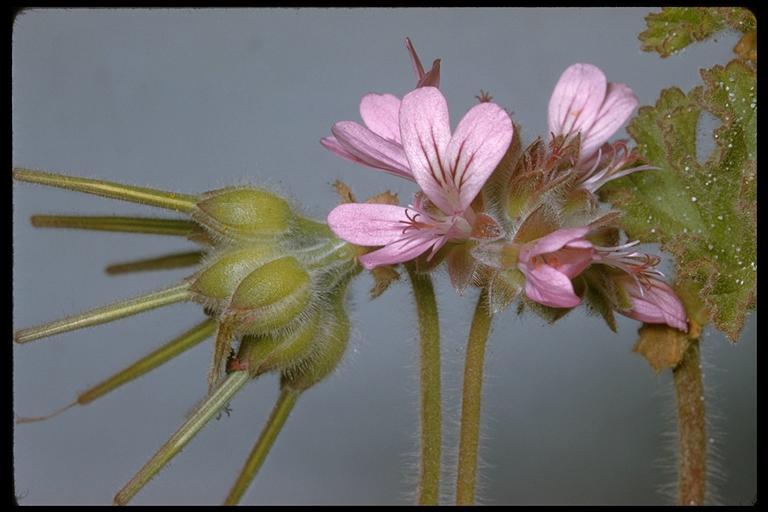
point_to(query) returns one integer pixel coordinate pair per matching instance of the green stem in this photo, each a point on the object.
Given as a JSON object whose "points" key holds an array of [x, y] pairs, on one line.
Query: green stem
{"points": [[431, 421], [167, 262], [104, 314], [169, 200], [202, 415], [283, 407], [689, 393], [144, 225], [471, 403]]}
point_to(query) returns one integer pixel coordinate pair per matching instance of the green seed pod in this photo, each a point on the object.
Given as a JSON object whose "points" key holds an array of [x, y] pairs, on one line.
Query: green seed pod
{"points": [[276, 351], [220, 279], [327, 353], [270, 297], [243, 213]]}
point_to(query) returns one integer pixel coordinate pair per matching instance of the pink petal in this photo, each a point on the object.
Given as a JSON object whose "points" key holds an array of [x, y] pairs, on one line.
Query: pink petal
{"points": [[552, 242], [572, 260], [547, 286], [478, 144], [399, 251], [381, 114], [656, 305], [620, 101], [368, 224], [425, 131], [331, 144], [371, 149], [576, 100]]}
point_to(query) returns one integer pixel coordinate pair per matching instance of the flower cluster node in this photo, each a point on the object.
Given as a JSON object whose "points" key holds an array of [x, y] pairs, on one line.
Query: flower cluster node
{"points": [[523, 223]]}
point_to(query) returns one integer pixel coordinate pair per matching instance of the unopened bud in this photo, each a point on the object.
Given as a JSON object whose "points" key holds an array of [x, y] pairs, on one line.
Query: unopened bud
{"points": [[270, 297], [244, 213]]}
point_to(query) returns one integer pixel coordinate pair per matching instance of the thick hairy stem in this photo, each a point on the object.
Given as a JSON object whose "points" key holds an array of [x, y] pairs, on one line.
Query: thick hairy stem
{"points": [[280, 412], [431, 438], [689, 394], [202, 415], [471, 403]]}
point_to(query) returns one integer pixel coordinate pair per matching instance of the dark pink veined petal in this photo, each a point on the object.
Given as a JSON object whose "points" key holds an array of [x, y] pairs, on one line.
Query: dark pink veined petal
{"points": [[576, 99], [371, 149], [399, 251], [368, 224], [552, 242], [620, 101], [425, 131], [476, 148], [545, 285], [331, 144], [657, 304], [381, 114]]}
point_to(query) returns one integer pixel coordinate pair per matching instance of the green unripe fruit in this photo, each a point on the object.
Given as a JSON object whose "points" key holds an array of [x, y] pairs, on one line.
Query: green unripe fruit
{"points": [[220, 279], [244, 213], [327, 353], [270, 296], [282, 350]]}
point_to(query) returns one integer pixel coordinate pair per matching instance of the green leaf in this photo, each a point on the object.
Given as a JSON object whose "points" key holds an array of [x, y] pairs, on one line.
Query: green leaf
{"points": [[674, 28], [702, 213]]}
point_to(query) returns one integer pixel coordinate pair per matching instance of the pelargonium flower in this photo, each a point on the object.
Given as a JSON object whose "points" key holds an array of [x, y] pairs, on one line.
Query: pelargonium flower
{"points": [[550, 262], [377, 143], [653, 302], [585, 103], [449, 168]]}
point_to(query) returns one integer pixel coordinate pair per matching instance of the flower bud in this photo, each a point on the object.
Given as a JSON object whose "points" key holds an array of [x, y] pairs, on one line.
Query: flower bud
{"points": [[243, 213], [220, 279], [270, 297]]}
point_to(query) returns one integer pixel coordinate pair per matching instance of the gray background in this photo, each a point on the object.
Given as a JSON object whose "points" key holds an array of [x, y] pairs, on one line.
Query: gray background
{"points": [[194, 100]]}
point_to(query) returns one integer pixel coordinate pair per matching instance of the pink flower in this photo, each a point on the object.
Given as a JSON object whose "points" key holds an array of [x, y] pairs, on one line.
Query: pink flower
{"points": [[654, 302], [377, 143], [584, 102], [550, 262], [450, 169]]}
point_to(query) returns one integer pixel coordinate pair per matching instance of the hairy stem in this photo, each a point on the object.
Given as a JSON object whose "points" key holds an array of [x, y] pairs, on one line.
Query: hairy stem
{"points": [[431, 421], [283, 407], [169, 200], [166, 262], [472, 395], [104, 314], [689, 394], [144, 225], [202, 415]]}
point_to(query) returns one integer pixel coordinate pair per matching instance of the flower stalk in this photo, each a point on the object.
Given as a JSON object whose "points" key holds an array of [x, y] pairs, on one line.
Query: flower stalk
{"points": [[431, 416], [691, 424], [282, 409], [472, 395]]}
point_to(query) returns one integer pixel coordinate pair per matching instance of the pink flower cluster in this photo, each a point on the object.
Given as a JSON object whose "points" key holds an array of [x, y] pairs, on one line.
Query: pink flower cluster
{"points": [[412, 138]]}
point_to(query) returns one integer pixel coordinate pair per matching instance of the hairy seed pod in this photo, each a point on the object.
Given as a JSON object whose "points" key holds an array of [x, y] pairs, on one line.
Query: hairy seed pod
{"points": [[219, 281], [270, 297], [243, 213]]}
